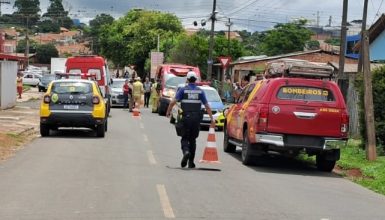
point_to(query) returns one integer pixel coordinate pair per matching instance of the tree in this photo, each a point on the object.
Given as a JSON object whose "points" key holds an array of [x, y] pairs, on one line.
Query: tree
{"points": [[286, 38], [47, 26], [55, 11], [94, 29], [44, 52], [379, 111], [22, 44], [28, 10], [190, 50], [130, 39]]}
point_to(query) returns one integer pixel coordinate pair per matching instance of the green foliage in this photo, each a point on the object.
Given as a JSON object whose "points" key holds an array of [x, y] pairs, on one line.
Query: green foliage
{"points": [[252, 42], [224, 47], [27, 8], [352, 156], [333, 41], [22, 44], [378, 84], [190, 50], [129, 39], [47, 26], [55, 10], [44, 52], [286, 38], [99, 21], [313, 44]]}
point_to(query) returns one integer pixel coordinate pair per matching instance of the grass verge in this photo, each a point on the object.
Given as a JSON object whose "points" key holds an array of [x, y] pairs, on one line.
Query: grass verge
{"points": [[373, 172]]}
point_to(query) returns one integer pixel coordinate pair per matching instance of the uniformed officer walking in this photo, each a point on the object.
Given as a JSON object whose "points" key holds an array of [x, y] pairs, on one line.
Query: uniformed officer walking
{"points": [[191, 97]]}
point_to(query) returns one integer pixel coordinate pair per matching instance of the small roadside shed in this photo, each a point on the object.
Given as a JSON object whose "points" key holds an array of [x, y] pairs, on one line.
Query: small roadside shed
{"points": [[8, 72]]}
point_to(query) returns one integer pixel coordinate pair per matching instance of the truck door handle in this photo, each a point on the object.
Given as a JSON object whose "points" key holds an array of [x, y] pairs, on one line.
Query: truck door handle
{"points": [[305, 115]]}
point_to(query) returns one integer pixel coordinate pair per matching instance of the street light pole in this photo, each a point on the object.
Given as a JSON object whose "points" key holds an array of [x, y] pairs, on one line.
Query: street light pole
{"points": [[211, 46]]}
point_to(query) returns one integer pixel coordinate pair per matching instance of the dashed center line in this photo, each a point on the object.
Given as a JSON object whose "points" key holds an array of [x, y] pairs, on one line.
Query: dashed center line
{"points": [[151, 157], [145, 138], [164, 201]]}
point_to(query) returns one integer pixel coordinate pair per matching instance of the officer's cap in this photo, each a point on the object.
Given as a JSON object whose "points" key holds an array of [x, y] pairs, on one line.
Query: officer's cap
{"points": [[191, 74]]}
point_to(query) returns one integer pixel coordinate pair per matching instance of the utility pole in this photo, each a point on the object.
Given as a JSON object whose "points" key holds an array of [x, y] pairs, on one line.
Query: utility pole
{"points": [[368, 98], [343, 40], [3, 2], [228, 36], [363, 28], [27, 41], [318, 18], [211, 46]]}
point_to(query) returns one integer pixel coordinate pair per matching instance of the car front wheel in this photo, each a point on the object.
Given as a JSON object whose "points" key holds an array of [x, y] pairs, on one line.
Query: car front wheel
{"points": [[227, 146]]}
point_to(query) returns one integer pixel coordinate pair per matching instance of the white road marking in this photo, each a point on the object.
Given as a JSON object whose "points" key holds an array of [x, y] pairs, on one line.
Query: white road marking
{"points": [[165, 202], [141, 125], [151, 157], [145, 138], [324, 219]]}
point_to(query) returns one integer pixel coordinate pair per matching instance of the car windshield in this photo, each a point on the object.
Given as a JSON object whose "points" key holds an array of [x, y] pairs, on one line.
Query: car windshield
{"points": [[173, 82], [117, 84], [48, 78], [72, 88], [212, 95]]}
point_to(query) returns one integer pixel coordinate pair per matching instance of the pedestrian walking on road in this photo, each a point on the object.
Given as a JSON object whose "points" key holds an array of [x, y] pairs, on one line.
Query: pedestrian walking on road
{"points": [[137, 92], [19, 85], [147, 92], [191, 98]]}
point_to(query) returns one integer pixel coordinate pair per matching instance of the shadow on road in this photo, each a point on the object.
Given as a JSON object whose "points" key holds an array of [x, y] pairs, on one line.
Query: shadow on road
{"points": [[194, 169], [72, 133], [283, 165]]}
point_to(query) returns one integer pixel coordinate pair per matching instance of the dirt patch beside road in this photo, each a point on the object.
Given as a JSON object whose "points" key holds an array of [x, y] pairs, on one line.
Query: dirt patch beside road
{"points": [[11, 143]]}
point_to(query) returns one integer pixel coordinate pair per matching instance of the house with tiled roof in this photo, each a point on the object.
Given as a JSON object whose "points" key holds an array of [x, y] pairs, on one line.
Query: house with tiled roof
{"points": [[376, 42]]}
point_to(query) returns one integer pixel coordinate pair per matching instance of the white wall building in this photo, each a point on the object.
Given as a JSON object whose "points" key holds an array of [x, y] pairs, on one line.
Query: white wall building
{"points": [[8, 73]]}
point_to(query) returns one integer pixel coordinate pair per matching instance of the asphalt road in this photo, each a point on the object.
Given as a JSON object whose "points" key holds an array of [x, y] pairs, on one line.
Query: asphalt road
{"points": [[134, 173]]}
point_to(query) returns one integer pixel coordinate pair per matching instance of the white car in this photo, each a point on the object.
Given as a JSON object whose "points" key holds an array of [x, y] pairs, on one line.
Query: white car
{"points": [[31, 79]]}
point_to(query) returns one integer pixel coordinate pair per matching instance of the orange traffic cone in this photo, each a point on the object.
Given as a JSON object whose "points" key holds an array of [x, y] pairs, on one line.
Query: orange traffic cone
{"points": [[135, 113], [210, 154]]}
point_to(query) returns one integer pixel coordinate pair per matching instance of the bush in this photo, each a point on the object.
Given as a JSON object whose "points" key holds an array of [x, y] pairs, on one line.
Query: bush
{"points": [[333, 41], [378, 101]]}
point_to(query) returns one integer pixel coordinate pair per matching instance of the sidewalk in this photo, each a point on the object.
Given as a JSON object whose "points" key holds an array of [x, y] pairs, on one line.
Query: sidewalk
{"points": [[24, 116]]}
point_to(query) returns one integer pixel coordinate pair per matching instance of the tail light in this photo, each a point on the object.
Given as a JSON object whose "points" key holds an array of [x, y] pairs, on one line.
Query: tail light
{"points": [[47, 99], [344, 122], [95, 100], [262, 119]]}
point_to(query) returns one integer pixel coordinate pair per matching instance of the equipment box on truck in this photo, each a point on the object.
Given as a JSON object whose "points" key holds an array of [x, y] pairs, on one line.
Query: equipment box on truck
{"points": [[296, 108]]}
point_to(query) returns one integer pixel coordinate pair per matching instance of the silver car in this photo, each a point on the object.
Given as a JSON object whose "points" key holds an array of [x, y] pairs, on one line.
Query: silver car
{"points": [[117, 92]]}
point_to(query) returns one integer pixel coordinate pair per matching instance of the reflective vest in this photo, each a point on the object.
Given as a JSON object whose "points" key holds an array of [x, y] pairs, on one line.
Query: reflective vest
{"points": [[191, 101]]}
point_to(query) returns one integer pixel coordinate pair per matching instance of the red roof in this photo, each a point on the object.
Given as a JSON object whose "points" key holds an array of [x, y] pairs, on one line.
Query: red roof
{"points": [[11, 57]]}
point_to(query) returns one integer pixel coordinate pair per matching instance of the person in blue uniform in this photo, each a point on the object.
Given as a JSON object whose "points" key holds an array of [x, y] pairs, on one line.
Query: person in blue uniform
{"points": [[191, 98]]}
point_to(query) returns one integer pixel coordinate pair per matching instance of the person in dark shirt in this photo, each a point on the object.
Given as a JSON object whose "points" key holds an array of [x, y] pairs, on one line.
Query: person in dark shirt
{"points": [[191, 98]]}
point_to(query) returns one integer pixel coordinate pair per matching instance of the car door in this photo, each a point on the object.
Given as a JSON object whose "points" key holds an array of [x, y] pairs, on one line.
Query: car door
{"points": [[28, 79]]}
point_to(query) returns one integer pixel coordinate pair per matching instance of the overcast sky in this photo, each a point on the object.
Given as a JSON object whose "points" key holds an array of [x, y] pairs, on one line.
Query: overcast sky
{"points": [[245, 14]]}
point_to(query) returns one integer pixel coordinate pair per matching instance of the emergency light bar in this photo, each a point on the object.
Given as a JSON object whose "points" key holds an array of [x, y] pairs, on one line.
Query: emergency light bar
{"points": [[90, 76], [298, 68]]}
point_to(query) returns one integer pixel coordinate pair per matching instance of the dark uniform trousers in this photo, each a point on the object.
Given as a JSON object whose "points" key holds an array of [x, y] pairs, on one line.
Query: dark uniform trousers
{"points": [[191, 125]]}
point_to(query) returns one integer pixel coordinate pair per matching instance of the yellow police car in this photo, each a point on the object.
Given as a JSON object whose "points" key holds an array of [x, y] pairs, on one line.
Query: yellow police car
{"points": [[73, 103]]}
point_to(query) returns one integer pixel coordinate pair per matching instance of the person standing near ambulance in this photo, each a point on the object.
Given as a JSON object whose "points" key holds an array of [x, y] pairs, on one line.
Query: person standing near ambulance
{"points": [[191, 98], [137, 92]]}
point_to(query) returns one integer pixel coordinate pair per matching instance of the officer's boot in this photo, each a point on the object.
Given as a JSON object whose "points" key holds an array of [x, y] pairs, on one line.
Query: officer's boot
{"points": [[186, 156], [191, 163]]}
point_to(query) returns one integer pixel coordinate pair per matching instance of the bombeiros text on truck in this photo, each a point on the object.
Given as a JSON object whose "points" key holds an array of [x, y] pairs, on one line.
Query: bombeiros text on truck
{"points": [[295, 108]]}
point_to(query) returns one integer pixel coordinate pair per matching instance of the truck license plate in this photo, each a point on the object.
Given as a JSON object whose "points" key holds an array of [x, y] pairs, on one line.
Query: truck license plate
{"points": [[71, 107]]}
